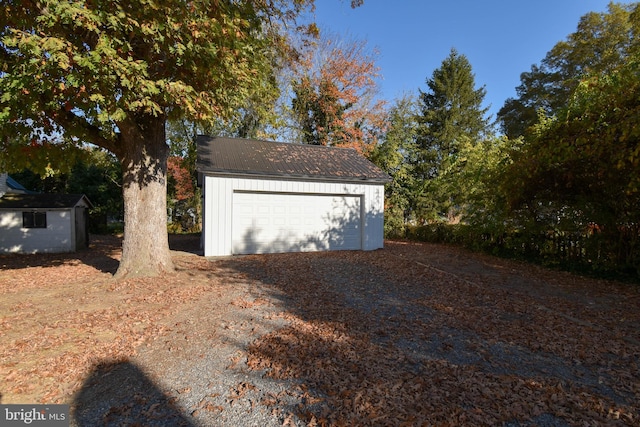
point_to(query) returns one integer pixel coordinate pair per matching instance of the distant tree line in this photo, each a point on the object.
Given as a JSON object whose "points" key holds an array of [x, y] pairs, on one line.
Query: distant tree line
{"points": [[558, 184], [98, 175]]}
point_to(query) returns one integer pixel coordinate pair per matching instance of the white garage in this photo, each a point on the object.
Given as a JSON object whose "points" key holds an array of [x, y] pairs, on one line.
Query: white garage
{"points": [[267, 197], [282, 222]]}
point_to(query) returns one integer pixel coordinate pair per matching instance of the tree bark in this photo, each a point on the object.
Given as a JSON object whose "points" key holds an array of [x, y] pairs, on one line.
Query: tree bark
{"points": [[144, 152]]}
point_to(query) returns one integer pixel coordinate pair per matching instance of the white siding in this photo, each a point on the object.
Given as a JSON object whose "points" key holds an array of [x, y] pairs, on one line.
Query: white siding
{"points": [[291, 222], [218, 194], [4, 188], [59, 236]]}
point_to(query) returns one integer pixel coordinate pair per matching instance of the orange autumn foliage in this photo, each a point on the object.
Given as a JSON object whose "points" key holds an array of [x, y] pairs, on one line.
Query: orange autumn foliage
{"points": [[335, 97], [180, 177]]}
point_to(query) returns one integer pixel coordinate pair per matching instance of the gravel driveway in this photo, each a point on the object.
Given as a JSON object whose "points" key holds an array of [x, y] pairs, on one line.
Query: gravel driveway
{"points": [[413, 334]]}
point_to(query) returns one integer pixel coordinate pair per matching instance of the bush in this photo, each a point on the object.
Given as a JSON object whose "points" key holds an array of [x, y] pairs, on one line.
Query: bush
{"points": [[582, 252], [439, 233]]}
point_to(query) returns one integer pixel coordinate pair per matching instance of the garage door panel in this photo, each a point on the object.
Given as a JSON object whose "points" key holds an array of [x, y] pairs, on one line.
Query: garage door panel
{"points": [[264, 222]]}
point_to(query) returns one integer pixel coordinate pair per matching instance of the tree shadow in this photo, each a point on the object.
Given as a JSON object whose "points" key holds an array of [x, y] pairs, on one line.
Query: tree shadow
{"points": [[342, 229], [188, 242], [345, 359], [120, 393], [102, 254], [371, 347]]}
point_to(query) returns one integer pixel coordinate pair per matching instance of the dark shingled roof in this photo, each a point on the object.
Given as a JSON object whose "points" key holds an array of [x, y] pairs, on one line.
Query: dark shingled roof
{"points": [[41, 201], [235, 156]]}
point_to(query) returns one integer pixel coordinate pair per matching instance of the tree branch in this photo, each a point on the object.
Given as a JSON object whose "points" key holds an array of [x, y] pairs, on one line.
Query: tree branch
{"points": [[82, 128]]}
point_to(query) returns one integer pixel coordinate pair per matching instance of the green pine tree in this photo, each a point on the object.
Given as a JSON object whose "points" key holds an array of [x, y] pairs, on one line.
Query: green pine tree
{"points": [[451, 118]]}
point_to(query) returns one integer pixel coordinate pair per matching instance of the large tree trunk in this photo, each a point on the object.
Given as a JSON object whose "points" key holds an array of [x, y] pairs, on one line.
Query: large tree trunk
{"points": [[145, 249]]}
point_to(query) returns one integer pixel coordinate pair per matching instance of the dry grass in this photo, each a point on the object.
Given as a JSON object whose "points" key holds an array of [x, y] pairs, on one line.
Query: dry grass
{"points": [[409, 335], [62, 314]]}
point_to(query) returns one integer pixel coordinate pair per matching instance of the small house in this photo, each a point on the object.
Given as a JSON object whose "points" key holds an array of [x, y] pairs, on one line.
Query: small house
{"points": [[34, 223], [269, 197]]}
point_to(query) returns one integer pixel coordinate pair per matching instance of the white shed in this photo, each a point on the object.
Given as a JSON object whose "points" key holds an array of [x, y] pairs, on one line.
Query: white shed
{"points": [[267, 197], [34, 223]]}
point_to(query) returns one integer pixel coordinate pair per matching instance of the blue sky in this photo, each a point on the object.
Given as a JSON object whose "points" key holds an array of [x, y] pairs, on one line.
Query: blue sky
{"points": [[501, 38]]}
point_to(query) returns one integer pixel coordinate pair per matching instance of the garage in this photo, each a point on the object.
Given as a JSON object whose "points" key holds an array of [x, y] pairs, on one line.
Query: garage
{"points": [[272, 197], [282, 222]]}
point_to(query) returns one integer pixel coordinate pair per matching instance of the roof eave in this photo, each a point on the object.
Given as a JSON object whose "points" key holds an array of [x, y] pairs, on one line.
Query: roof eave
{"points": [[13, 205], [315, 178]]}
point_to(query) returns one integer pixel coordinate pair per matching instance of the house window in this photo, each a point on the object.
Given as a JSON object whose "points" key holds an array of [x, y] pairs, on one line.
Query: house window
{"points": [[34, 219]]}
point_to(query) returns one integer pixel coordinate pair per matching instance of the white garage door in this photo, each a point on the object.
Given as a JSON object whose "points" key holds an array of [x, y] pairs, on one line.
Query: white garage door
{"points": [[280, 222]]}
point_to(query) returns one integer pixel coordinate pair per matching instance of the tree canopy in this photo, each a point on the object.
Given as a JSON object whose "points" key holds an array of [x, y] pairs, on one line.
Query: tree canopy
{"points": [[601, 43], [582, 166], [574, 167], [112, 73], [334, 96]]}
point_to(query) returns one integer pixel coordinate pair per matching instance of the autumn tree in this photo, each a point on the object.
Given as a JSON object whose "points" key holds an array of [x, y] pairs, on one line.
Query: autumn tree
{"points": [[334, 96], [451, 117], [600, 44], [183, 196], [112, 73]]}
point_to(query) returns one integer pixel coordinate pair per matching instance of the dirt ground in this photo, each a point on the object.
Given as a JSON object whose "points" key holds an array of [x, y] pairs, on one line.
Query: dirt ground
{"points": [[414, 334]]}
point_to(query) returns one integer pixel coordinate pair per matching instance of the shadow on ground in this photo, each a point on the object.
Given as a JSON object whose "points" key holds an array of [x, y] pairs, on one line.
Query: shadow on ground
{"points": [[186, 243], [377, 339], [120, 393], [103, 253]]}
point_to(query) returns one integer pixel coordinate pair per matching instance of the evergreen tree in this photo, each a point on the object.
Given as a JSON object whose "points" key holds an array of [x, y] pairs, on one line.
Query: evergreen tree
{"points": [[395, 155], [451, 117]]}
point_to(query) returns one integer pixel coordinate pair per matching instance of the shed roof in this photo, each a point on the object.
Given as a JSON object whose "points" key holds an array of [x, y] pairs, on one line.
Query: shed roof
{"points": [[41, 201], [235, 156]]}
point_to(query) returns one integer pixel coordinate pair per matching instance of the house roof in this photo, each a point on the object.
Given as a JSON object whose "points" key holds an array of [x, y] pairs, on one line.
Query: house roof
{"points": [[16, 186], [42, 201], [267, 159]]}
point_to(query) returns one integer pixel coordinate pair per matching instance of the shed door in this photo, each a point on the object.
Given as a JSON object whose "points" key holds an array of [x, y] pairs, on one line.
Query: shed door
{"points": [[82, 233], [281, 222]]}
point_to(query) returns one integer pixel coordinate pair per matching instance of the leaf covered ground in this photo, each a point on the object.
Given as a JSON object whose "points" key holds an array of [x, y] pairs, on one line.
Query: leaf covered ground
{"points": [[414, 334]]}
